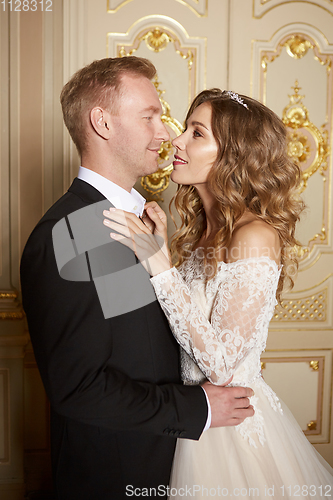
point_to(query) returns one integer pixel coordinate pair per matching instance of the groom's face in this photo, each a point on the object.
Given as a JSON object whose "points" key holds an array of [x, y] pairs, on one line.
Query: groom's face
{"points": [[138, 129]]}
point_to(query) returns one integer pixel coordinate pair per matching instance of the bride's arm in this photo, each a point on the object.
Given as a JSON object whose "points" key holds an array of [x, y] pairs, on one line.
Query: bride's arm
{"points": [[238, 314]]}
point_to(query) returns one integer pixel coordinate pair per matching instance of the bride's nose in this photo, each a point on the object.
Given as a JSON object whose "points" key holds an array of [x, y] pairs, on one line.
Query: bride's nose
{"points": [[178, 142]]}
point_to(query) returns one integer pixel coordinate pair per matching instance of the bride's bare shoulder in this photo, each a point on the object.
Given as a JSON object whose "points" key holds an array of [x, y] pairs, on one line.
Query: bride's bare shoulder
{"points": [[255, 239]]}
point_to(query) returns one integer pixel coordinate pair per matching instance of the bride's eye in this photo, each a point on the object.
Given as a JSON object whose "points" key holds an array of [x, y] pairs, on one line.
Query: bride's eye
{"points": [[196, 133]]}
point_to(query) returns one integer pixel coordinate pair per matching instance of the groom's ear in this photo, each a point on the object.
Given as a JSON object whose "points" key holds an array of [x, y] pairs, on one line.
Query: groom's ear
{"points": [[100, 121]]}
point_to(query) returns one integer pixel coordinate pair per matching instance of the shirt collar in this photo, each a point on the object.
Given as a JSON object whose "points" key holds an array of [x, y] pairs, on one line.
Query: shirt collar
{"points": [[118, 196]]}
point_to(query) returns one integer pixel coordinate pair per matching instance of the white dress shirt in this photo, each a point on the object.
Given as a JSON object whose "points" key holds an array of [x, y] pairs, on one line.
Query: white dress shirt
{"points": [[123, 200], [118, 196]]}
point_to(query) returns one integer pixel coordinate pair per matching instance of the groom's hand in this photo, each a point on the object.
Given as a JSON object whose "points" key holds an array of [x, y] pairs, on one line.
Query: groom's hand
{"points": [[229, 405]]}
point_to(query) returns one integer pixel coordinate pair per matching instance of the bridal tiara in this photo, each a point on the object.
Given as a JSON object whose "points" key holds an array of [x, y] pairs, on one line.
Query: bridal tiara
{"points": [[235, 97]]}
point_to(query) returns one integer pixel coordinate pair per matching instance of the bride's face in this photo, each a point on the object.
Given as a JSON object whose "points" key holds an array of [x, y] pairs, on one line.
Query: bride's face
{"points": [[196, 149]]}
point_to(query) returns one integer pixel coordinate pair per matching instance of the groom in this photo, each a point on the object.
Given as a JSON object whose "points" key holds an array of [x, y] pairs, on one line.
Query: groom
{"points": [[112, 375]]}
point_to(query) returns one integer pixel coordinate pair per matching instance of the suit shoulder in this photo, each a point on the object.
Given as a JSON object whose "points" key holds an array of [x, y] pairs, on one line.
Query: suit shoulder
{"points": [[42, 232]]}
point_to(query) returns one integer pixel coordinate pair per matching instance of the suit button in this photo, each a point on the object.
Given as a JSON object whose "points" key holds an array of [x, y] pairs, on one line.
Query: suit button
{"points": [[172, 433], [166, 431], [182, 434]]}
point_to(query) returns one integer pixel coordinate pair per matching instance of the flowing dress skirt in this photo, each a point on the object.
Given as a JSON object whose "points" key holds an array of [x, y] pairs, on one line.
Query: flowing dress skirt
{"points": [[223, 464]]}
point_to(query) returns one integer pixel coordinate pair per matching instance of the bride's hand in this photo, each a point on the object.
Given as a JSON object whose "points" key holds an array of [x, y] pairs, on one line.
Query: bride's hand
{"points": [[156, 220], [135, 234]]}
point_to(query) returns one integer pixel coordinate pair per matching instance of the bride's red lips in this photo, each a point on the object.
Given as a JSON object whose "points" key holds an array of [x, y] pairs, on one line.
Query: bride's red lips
{"points": [[179, 161]]}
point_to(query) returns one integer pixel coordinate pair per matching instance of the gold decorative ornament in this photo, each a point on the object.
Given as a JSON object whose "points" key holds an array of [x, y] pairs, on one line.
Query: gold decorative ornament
{"points": [[312, 425], [307, 145], [10, 308], [311, 308], [158, 182], [263, 365], [9, 316], [314, 365], [8, 295], [297, 46], [157, 39]]}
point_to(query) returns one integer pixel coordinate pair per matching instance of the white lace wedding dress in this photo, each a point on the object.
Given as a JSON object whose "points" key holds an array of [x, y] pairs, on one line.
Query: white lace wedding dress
{"points": [[223, 328]]}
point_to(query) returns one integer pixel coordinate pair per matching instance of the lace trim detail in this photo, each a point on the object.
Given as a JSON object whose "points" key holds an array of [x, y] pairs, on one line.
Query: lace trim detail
{"points": [[253, 425]]}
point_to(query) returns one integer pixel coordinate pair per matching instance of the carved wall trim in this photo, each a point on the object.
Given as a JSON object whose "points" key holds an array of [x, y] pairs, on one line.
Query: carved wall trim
{"points": [[157, 32], [261, 7], [198, 7], [313, 139], [273, 47]]}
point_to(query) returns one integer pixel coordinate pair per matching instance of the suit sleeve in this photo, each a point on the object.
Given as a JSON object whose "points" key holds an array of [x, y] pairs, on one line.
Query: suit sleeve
{"points": [[75, 356]]}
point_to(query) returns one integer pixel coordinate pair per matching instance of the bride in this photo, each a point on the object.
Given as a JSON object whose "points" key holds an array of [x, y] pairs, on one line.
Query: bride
{"points": [[237, 198]]}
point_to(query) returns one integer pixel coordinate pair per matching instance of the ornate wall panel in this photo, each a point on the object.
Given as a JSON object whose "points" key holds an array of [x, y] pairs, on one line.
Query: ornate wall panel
{"points": [[299, 52], [199, 7], [288, 372], [261, 7], [166, 43]]}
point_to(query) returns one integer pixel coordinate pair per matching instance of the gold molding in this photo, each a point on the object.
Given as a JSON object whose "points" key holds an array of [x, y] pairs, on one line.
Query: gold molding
{"points": [[317, 365], [205, 2], [8, 295], [264, 11], [113, 11], [204, 7], [294, 292], [10, 307], [9, 316]]}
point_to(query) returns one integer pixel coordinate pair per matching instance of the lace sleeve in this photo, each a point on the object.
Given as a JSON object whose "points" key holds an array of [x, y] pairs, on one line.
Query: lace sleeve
{"points": [[242, 307]]}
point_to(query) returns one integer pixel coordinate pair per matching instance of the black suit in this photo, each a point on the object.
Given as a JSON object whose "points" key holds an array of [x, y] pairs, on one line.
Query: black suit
{"points": [[114, 385]]}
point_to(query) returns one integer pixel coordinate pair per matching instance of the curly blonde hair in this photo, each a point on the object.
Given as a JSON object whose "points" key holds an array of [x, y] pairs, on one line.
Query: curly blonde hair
{"points": [[252, 172]]}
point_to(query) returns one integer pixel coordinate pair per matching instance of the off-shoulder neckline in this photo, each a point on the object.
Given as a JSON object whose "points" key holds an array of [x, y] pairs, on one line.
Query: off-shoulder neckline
{"points": [[240, 261]]}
